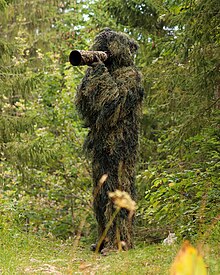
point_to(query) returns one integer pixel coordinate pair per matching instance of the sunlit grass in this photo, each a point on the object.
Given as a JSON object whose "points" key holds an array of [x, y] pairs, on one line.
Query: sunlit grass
{"points": [[28, 254]]}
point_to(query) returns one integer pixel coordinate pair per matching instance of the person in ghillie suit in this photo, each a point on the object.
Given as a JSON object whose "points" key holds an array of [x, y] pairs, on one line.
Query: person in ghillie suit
{"points": [[109, 100]]}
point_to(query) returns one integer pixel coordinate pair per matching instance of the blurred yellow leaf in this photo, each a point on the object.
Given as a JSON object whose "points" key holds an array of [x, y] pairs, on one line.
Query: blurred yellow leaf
{"points": [[123, 200], [188, 262]]}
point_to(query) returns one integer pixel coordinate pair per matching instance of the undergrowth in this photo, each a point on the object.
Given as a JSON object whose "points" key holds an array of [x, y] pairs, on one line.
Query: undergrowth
{"points": [[22, 253]]}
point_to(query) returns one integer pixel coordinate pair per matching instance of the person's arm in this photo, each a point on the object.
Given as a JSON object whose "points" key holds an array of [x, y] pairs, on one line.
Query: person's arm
{"points": [[103, 99], [94, 91]]}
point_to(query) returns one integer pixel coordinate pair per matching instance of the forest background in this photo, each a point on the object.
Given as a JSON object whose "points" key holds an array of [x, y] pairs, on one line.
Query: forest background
{"points": [[45, 179]]}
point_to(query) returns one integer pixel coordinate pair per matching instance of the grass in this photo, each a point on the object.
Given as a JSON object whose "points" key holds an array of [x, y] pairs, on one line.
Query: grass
{"points": [[29, 254]]}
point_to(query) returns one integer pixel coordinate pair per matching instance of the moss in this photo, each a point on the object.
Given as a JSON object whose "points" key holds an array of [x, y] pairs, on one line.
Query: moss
{"points": [[109, 100]]}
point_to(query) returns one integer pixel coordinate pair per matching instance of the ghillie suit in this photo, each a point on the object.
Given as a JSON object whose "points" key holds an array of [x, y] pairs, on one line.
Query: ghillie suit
{"points": [[109, 100]]}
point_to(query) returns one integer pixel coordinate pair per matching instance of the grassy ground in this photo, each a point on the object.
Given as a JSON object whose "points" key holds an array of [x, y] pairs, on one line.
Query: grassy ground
{"points": [[27, 254]]}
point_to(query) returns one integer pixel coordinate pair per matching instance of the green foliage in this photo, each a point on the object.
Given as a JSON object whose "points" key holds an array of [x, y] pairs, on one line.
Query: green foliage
{"points": [[183, 200], [45, 181], [137, 14]]}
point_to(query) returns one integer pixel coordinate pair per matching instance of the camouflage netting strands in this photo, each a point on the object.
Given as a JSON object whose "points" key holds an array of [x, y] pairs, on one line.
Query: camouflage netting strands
{"points": [[109, 100]]}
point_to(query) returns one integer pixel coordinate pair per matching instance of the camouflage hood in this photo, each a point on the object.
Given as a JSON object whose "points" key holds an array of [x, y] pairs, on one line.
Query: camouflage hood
{"points": [[119, 47]]}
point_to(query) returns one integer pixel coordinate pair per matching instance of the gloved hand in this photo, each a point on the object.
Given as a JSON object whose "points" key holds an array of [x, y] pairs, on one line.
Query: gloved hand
{"points": [[98, 66], [97, 62]]}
